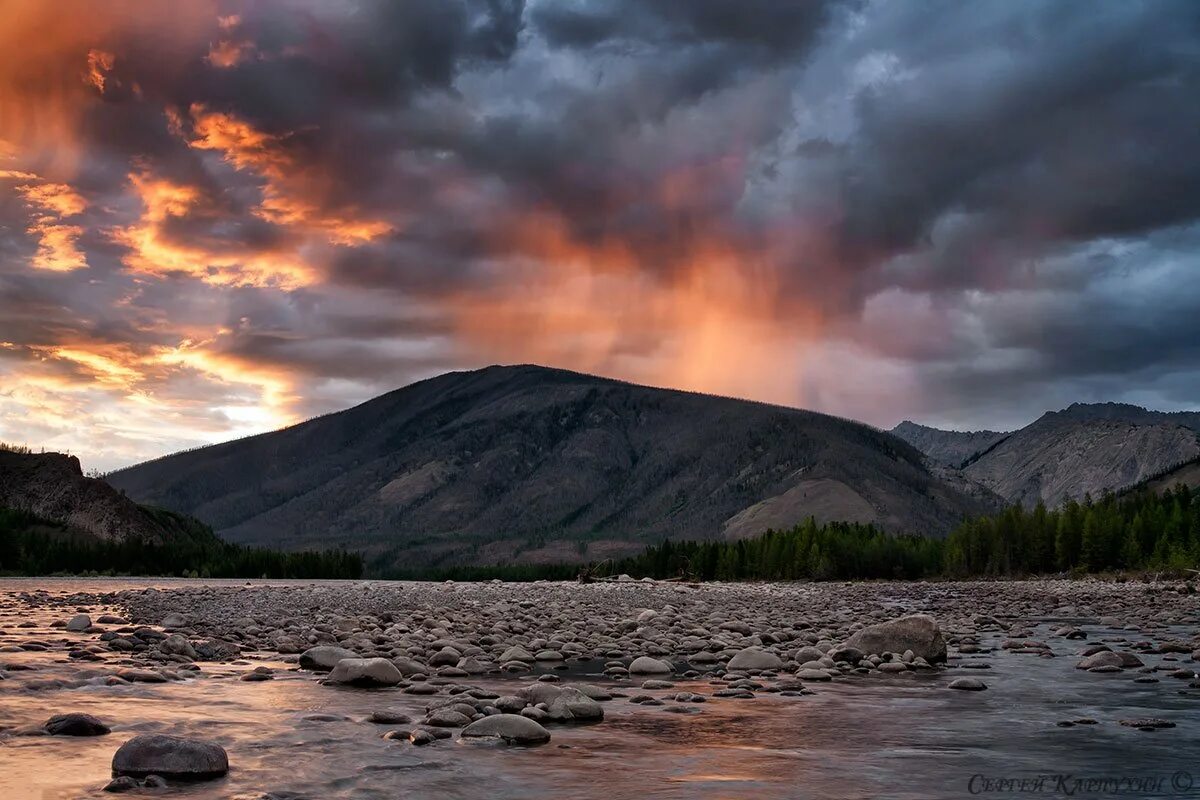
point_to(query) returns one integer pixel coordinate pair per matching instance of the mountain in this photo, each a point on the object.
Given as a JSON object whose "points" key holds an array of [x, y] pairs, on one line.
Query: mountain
{"points": [[526, 463], [951, 448], [52, 488], [1085, 448]]}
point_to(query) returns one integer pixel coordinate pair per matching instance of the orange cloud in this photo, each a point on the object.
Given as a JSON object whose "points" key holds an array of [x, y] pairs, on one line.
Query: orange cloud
{"points": [[153, 252], [226, 54], [99, 64], [50, 204], [287, 182], [711, 321]]}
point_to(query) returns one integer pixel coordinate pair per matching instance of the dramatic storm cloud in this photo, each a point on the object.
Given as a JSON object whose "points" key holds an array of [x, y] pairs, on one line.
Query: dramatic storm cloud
{"points": [[217, 218]]}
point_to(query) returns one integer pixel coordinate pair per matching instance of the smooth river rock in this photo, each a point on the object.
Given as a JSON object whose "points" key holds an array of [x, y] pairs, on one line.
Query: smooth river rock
{"points": [[755, 658], [365, 672], [170, 757], [324, 657], [511, 728], [919, 633]]}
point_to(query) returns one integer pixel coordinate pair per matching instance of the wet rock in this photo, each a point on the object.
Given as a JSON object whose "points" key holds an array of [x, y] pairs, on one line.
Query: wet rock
{"points": [[170, 757], [512, 728], [968, 684], [754, 658], [645, 665], [389, 716], [572, 705], [121, 784], [1104, 658], [324, 658], [79, 623], [177, 645], [76, 724], [1147, 723], [365, 672], [919, 633]]}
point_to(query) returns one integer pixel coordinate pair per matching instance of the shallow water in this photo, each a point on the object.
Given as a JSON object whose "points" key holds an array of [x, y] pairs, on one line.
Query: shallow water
{"points": [[898, 737]]}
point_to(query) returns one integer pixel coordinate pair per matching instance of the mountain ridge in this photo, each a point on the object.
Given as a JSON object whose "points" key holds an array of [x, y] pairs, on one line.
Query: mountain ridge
{"points": [[529, 462], [1084, 448]]}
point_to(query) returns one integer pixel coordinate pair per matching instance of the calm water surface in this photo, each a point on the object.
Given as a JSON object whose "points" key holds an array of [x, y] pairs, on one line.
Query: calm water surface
{"points": [[902, 737]]}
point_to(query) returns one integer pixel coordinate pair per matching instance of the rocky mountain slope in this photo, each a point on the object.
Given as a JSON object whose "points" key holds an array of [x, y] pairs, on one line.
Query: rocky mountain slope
{"points": [[951, 448], [52, 487], [528, 463], [1086, 448]]}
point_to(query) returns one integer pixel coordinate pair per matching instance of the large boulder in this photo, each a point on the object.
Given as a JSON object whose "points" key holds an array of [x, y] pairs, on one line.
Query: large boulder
{"points": [[918, 632], [511, 728], [645, 665], [1105, 658], [170, 757], [755, 658], [366, 672], [324, 657]]}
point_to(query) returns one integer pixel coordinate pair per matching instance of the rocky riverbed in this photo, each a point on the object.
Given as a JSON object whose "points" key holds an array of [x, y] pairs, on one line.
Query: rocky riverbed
{"points": [[632, 689]]}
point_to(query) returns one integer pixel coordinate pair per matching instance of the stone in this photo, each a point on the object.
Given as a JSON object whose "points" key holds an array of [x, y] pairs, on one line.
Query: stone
{"points": [[170, 757], [918, 632], [1105, 658], [79, 623], [365, 672], [76, 724], [324, 658], [178, 645], [572, 705], [121, 784], [448, 718], [645, 665], [389, 716], [511, 728], [755, 658], [968, 684]]}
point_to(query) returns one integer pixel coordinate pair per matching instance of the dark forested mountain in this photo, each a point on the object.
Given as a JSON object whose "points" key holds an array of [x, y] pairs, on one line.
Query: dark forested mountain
{"points": [[52, 487], [528, 463], [53, 519], [1086, 448], [951, 448]]}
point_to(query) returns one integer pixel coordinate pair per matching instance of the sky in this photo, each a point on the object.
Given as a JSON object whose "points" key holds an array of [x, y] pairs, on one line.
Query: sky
{"points": [[219, 218]]}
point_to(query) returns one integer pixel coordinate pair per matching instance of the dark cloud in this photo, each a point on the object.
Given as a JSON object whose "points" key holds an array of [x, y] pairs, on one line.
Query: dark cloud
{"points": [[963, 212]]}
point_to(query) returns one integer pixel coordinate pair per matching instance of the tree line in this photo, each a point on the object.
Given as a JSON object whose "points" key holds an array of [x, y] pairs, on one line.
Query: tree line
{"points": [[1137, 530], [33, 546]]}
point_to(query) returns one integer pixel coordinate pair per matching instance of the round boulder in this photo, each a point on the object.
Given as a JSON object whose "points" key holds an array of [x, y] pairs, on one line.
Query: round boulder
{"points": [[645, 665], [324, 657], [755, 658], [512, 728], [365, 672]]}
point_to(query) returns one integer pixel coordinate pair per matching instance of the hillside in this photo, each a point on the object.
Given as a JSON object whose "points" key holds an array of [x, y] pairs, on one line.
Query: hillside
{"points": [[527, 463], [52, 488], [1085, 448], [951, 448]]}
